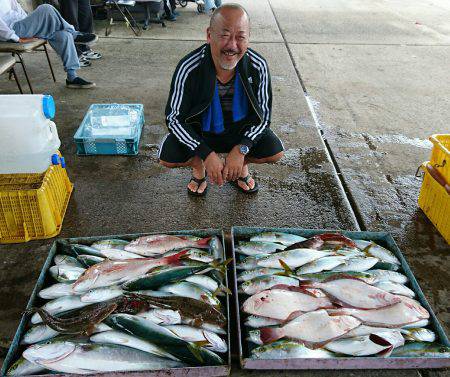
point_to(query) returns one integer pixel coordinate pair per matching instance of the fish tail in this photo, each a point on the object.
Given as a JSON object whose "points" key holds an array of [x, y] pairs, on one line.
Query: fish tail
{"points": [[270, 334], [221, 266]]}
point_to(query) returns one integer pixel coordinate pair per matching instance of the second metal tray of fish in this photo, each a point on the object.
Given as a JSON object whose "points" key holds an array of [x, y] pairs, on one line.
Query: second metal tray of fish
{"points": [[44, 278], [382, 238]]}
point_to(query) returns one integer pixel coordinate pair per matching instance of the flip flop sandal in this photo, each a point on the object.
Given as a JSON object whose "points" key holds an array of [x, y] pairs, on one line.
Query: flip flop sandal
{"points": [[246, 181], [199, 181]]}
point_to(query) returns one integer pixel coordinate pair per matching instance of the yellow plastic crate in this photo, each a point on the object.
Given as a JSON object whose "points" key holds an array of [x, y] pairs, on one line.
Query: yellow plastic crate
{"points": [[440, 155], [32, 206], [434, 200]]}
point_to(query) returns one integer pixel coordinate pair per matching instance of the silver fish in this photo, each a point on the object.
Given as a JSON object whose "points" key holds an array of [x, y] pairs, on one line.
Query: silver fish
{"points": [[162, 316], [194, 334], [377, 251], [419, 334], [124, 339], [40, 333], [60, 305], [258, 322], [250, 274], [89, 260], [110, 244], [258, 247], [250, 262], [321, 264], [397, 289], [293, 258], [101, 294], [56, 290], [285, 349], [69, 357], [186, 289], [66, 274], [61, 259], [283, 238], [23, 367], [357, 264], [386, 275], [204, 281], [264, 282], [199, 255], [420, 349]]}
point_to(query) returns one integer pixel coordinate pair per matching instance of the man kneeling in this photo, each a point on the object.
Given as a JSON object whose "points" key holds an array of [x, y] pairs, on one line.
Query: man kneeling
{"points": [[220, 102]]}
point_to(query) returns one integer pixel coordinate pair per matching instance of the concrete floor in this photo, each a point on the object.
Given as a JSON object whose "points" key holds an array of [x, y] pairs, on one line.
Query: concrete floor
{"points": [[375, 76]]}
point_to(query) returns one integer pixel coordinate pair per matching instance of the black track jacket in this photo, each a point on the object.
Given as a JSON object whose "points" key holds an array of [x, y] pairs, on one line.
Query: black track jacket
{"points": [[192, 90]]}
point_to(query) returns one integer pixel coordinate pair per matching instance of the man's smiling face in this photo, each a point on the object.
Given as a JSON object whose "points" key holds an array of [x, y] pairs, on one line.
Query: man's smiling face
{"points": [[228, 37]]}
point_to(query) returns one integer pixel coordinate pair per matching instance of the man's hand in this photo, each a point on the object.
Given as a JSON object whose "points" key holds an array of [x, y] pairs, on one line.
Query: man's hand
{"points": [[233, 164], [25, 40], [214, 168]]}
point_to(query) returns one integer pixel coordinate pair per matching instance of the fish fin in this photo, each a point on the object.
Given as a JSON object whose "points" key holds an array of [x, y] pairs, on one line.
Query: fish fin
{"points": [[337, 248], [221, 266], [185, 256], [292, 316], [366, 250], [204, 242], [195, 351], [270, 334], [202, 343], [90, 330], [176, 257], [197, 322], [293, 288], [387, 352], [225, 289], [286, 268], [337, 237]]}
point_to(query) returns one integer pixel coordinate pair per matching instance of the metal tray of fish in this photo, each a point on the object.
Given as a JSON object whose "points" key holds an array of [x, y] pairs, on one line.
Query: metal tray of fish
{"points": [[274, 355], [60, 246]]}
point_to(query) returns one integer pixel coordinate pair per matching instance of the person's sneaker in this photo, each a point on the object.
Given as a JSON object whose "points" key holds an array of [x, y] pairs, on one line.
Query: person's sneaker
{"points": [[84, 62], [79, 83], [85, 39], [170, 17], [91, 55]]}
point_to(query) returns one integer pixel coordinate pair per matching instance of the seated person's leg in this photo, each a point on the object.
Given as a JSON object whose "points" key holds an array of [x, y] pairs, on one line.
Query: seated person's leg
{"points": [[62, 42], [173, 154]]}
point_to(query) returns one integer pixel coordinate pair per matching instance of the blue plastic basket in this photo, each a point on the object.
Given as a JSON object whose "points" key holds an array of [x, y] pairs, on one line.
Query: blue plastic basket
{"points": [[110, 144]]}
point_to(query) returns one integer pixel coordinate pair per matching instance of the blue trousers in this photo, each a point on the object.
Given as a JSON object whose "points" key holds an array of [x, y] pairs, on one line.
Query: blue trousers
{"points": [[209, 4], [45, 22]]}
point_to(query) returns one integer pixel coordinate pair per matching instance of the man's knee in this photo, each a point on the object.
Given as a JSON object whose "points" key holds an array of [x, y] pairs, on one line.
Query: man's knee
{"points": [[267, 160], [275, 158], [170, 165], [46, 8]]}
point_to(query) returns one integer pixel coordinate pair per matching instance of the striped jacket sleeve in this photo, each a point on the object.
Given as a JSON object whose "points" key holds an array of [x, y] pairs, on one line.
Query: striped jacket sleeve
{"points": [[264, 97], [178, 105]]}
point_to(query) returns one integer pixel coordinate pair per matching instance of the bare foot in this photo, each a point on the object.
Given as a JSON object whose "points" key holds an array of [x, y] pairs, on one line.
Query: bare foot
{"points": [[198, 172], [251, 181]]}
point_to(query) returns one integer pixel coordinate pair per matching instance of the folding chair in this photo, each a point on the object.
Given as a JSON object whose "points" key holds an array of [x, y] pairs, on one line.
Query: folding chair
{"points": [[7, 65], [122, 7], [17, 49]]}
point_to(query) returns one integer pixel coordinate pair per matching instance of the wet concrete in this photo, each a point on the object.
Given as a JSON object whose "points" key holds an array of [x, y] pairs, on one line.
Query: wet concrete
{"points": [[116, 195]]}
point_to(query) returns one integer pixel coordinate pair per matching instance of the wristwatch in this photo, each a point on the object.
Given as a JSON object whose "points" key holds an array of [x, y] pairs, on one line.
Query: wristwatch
{"points": [[244, 149]]}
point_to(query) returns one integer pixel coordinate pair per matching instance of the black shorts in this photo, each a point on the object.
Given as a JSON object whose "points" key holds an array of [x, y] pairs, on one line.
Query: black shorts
{"points": [[171, 150]]}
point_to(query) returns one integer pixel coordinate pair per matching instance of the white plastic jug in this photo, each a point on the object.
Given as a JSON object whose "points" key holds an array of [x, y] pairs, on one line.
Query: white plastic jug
{"points": [[28, 137]]}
